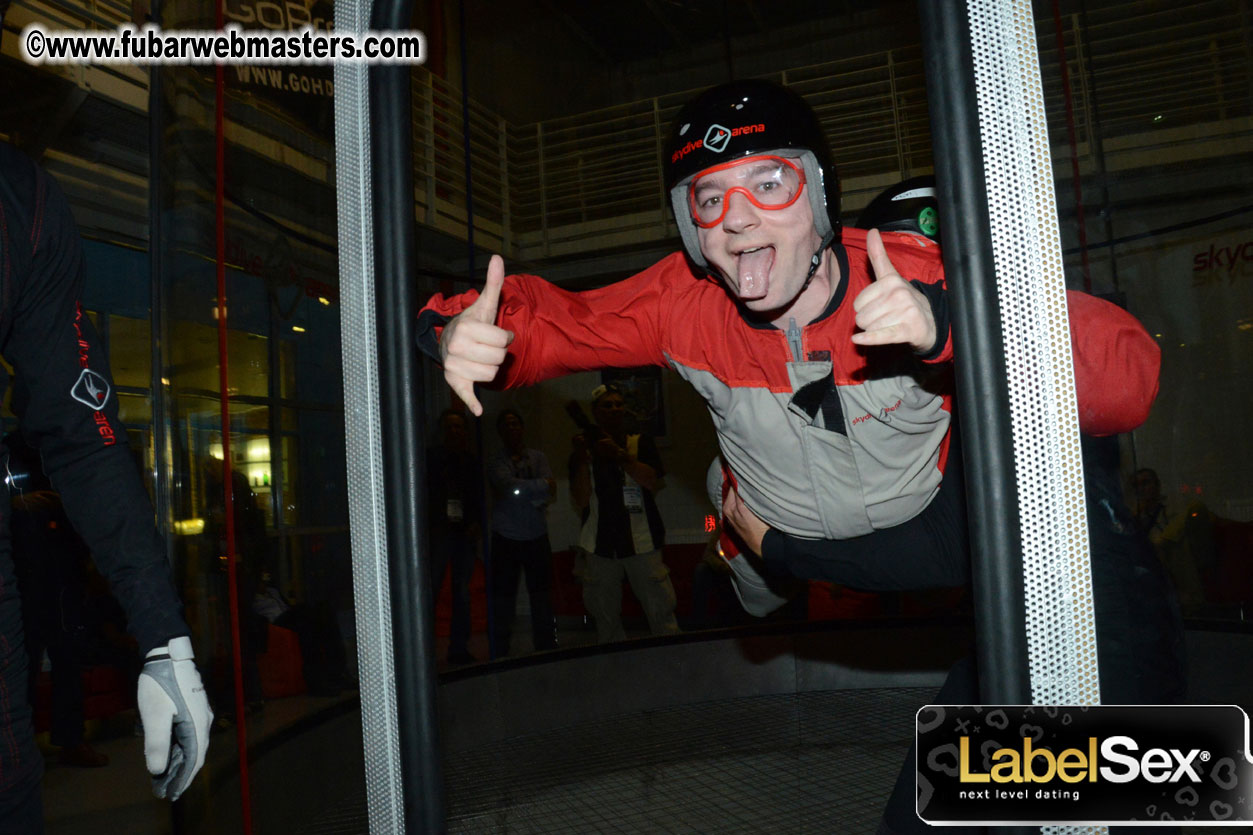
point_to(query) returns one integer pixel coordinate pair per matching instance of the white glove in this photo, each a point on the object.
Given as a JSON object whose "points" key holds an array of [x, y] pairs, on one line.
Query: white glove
{"points": [[172, 699]]}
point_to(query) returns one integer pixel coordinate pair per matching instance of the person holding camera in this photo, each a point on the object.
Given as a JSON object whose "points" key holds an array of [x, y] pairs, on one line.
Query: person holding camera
{"points": [[613, 478]]}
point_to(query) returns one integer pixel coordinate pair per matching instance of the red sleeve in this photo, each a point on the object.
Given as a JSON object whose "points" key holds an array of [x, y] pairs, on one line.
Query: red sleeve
{"points": [[1116, 366], [559, 332]]}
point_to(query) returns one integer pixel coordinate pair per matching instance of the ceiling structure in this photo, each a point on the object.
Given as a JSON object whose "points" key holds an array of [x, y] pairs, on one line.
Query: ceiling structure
{"points": [[535, 59], [624, 32]]}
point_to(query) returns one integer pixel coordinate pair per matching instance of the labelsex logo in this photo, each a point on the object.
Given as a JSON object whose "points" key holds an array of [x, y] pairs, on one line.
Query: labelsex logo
{"points": [[1156, 765]]}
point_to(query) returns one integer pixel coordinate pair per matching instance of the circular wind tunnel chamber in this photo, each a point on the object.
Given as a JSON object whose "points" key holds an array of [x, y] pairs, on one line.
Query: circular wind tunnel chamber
{"points": [[787, 726], [778, 728]]}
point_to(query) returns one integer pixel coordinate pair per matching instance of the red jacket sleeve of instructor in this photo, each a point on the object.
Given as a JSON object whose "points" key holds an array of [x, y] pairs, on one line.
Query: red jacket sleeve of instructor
{"points": [[1116, 366], [559, 332]]}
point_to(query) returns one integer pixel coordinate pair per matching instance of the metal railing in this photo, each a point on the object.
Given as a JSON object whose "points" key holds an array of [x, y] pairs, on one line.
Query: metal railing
{"points": [[578, 183], [1151, 83]]}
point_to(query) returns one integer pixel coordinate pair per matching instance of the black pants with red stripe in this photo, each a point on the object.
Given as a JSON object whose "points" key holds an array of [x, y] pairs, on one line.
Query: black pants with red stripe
{"points": [[21, 765]]}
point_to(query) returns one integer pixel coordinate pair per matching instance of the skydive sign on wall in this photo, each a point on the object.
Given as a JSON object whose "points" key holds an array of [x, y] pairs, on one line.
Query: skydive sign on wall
{"points": [[1104, 765], [1223, 262]]}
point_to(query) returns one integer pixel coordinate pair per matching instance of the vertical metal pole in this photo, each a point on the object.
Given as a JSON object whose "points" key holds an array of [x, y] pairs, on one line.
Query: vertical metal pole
{"points": [[228, 495], [465, 140], [428, 157], [1076, 178], [368, 499], [156, 315], [896, 118], [663, 205], [543, 194], [493, 650], [161, 465], [402, 425], [506, 217], [275, 392], [982, 376], [1098, 150]]}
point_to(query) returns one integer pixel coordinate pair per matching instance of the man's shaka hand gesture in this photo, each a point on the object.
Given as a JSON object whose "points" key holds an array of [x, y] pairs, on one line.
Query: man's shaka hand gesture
{"points": [[472, 347], [891, 311]]}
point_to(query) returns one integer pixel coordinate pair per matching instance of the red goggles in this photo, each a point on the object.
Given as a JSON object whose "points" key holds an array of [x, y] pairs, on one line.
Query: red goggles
{"points": [[769, 182]]}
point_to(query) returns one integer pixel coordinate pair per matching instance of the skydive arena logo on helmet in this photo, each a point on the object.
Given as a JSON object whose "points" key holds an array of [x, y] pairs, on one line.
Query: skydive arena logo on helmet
{"points": [[716, 139]]}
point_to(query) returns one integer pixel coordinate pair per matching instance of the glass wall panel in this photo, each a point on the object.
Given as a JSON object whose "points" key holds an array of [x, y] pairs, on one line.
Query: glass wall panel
{"points": [[135, 409], [1154, 119], [263, 400], [130, 350]]}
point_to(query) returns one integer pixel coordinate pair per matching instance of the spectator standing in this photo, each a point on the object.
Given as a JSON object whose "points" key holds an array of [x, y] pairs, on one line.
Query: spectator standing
{"points": [[1183, 541], [322, 656], [612, 480], [455, 513], [251, 550], [523, 486]]}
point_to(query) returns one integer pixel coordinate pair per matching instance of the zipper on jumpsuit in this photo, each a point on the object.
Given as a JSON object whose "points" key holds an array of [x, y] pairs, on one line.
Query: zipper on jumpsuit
{"points": [[794, 339]]}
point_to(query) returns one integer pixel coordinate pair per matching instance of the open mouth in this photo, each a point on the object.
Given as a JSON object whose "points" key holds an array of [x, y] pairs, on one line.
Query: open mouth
{"points": [[753, 272]]}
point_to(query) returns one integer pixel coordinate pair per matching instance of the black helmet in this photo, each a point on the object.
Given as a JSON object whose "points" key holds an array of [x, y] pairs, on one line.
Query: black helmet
{"points": [[908, 206], [739, 119]]}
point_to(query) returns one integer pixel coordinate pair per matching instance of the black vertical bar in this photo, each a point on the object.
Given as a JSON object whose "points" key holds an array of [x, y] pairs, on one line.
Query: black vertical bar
{"points": [[156, 285], [400, 381], [982, 377], [275, 393], [1096, 141], [493, 651], [465, 138], [161, 498]]}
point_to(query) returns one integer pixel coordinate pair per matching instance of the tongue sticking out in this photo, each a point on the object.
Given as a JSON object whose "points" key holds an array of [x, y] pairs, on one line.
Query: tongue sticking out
{"points": [[754, 277]]}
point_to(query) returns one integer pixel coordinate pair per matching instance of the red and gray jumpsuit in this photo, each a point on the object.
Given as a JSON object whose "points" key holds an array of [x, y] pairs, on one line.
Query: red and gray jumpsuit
{"points": [[827, 440]]}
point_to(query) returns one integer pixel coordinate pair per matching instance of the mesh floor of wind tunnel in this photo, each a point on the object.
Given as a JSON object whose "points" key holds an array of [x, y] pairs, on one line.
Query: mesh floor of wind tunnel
{"points": [[821, 762]]}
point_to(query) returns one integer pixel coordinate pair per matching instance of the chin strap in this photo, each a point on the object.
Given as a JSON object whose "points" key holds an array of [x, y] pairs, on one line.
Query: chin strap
{"points": [[816, 260]]}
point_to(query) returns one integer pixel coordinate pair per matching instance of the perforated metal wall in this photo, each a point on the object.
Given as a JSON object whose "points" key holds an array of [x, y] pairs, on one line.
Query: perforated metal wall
{"points": [[366, 510], [1061, 628]]}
